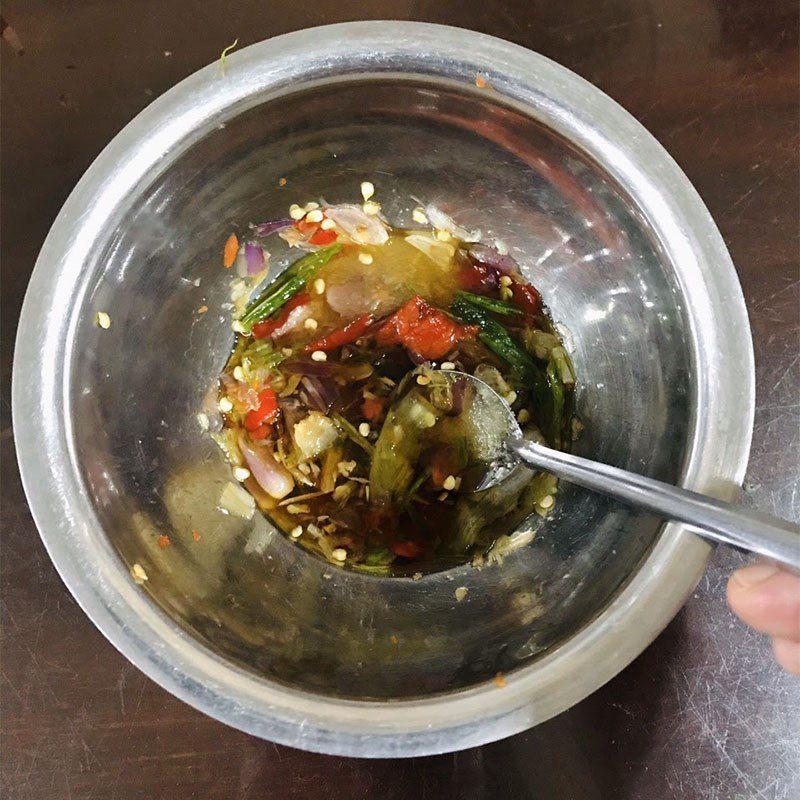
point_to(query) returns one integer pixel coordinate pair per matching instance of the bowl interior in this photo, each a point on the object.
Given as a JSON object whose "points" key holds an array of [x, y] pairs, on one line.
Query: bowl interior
{"points": [[135, 389]]}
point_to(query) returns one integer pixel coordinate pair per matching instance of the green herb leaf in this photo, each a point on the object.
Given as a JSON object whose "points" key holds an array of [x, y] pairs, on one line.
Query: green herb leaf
{"points": [[286, 286], [488, 303]]}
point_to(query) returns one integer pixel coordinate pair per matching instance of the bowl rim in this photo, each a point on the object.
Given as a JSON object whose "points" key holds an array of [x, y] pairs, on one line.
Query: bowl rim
{"points": [[721, 429]]}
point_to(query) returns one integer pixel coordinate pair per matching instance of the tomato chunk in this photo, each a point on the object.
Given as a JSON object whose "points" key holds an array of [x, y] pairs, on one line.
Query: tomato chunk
{"points": [[423, 329]]}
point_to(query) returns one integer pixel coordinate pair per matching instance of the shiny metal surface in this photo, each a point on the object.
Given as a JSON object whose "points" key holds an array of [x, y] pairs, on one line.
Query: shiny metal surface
{"points": [[250, 629], [717, 520]]}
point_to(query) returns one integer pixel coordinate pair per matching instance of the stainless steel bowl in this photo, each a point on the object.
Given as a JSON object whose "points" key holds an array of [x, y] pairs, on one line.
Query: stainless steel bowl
{"points": [[245, 625]]}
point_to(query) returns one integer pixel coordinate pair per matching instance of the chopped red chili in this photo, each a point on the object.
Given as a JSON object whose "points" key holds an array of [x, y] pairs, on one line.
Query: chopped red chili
{"points": [[372, 407], [352, 331], [478, 278], [444, 462], [423, 329], [266, 328], [261, 433], [323, 237], [266, 412], [526, 297], [407, 548]]}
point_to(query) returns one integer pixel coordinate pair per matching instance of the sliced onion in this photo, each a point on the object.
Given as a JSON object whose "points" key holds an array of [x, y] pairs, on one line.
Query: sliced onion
{"points": [[459, 391], [360, 227], [294, 238], [440, 252], [266, 228], [296, 317], [490, 257], [319, 368], [254, 257], [316, 393], [271, 476], [445, 222]]}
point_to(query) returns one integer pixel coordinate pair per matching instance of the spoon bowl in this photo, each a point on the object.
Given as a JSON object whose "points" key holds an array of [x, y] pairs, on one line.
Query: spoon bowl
{"points": [[777, 539]]}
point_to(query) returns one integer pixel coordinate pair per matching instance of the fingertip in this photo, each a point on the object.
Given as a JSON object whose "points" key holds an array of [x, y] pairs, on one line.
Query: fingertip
{"points": [[787, 654], [768, 599]]}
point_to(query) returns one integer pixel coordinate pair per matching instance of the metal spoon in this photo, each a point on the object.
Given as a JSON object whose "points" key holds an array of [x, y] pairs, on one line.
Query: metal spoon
{"points": [[760, 533]]}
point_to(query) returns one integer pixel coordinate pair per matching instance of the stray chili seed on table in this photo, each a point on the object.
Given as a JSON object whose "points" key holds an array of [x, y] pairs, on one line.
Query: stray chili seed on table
{"points": [[196, 536], [163, 541]]}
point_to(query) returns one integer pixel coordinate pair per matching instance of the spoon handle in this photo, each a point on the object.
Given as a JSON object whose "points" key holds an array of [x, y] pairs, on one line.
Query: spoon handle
{"points": [[760, 533]]}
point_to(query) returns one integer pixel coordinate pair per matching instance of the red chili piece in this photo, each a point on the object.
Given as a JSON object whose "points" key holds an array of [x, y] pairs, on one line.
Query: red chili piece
{"points": [[352, 331], [372, 408], [266, 413], [261, 433], [423, 329], [406, 549], [527, 298], [323, 237], [478, 278], [266, 328]]}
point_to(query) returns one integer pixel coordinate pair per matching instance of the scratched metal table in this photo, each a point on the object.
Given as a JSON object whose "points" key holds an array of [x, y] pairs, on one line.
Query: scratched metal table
{"points": [[704, 712]]}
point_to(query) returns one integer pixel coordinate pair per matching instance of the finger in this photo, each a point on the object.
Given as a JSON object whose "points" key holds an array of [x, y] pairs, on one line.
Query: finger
{"points": [[768, 599], [787, 654]]}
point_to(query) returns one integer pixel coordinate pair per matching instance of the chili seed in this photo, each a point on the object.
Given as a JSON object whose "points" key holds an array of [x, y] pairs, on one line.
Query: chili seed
{"points": [[367, 190]]}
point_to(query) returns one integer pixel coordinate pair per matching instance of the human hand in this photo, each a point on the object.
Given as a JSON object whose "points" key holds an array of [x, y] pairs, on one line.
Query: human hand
{"points": [[767, 598]]}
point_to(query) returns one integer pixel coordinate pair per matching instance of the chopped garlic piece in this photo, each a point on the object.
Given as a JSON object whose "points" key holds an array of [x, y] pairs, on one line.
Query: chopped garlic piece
{"points": [[138, 574], [103, 320], [236, 501], [367, 190], [418, 215], [371, 209]]}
